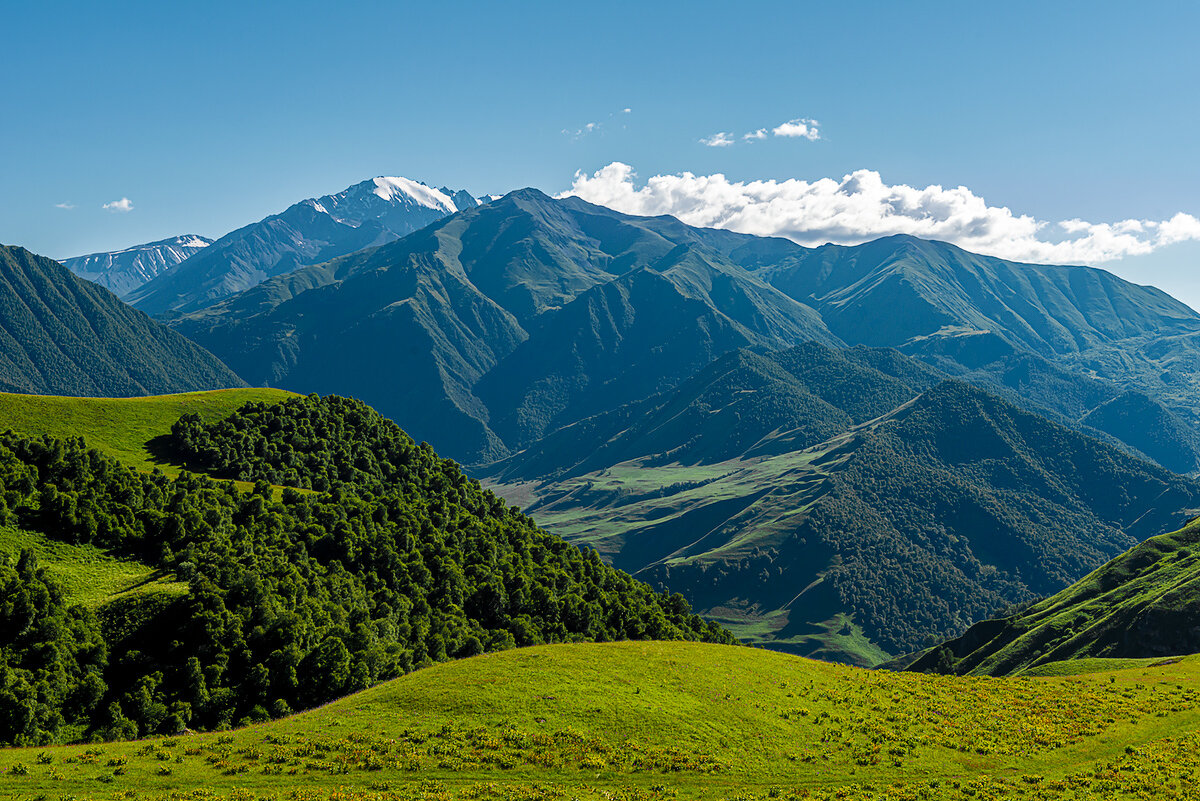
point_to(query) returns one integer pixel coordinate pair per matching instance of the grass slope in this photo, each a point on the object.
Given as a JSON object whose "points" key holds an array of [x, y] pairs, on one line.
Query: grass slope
{"points": [[651, 720], [1142, 605], [86, 574], [122, 428]]}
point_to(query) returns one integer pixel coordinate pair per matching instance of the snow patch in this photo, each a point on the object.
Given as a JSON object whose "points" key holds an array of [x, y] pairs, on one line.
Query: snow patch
{"points": [[393, 189]]}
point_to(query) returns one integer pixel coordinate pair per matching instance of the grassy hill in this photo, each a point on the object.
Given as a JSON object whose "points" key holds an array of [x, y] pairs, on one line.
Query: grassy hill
{"points": [[122, 428], [1143, 604], [653, 720]]}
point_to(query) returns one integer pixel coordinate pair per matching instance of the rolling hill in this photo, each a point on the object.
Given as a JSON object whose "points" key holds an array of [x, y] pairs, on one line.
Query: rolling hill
{"points": [[1143, 604], [61, 335], [657, 720]]}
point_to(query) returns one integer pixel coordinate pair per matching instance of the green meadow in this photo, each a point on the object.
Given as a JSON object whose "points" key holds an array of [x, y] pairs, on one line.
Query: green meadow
{"points": [[648, 720], [122, 428]]}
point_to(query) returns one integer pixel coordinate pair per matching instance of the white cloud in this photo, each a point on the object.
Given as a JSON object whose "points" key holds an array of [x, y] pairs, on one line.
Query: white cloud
{"points": [[719, 139], [860, 207], [799, 128], [123, 205], [64, 205], [626, 111], [761, 133]]}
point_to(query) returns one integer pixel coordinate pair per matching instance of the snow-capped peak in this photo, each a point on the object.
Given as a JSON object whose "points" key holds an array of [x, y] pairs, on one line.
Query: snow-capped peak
{"points": [[394, 189]]}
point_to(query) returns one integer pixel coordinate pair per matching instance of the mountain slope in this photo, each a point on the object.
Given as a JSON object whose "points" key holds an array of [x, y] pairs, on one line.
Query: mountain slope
{"points": [[951, 506], [1144, 603], [1146, 425], [316, 230], [123, 271], [508, 320], [62, 335]]}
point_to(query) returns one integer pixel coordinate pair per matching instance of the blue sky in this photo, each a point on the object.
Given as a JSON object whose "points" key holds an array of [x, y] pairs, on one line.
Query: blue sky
{"points": [[207, 116]]}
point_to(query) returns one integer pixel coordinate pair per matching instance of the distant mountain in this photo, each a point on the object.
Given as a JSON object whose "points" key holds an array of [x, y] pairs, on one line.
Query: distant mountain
{"points": [[853, 545], [61, 335], [1144, 603], [499, 324], [961, 311], [312, 231], [123, 271], [539, 313]]}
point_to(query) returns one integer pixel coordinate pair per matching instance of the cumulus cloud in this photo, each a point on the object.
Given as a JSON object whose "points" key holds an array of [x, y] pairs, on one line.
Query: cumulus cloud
{"points": [[761, 133], [123, 205], [719, 139], [64, 205], [799, 129], [860, 206]]}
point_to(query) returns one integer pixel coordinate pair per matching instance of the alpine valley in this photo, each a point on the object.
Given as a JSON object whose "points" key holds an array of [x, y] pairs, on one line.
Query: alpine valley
{"points": [[431, 496]]}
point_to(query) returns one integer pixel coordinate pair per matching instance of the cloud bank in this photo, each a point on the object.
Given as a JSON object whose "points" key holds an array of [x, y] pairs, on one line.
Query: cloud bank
{"points": [[123, 205], [860, 207]]}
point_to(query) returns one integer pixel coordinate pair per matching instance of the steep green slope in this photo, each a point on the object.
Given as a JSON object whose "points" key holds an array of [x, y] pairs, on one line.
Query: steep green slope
{"points": [[672, 720], [949, 508], [235, 605], [1143, 604], [60, 335]]}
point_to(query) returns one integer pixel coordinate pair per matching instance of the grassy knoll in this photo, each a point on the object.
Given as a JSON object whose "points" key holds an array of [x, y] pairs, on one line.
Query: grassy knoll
{"points": [[121, 427], [651, 720]]}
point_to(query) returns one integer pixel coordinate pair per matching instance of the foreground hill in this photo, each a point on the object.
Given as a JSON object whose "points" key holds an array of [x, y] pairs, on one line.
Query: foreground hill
{"points": [[855, 545], [236, 605], [1144, 603], [61, 335], [367, 214], [123, 271], [673, 720]]}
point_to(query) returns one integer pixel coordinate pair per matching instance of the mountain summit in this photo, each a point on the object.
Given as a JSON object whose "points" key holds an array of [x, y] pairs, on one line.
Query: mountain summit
{"points": [[370, 213], [123, 271]]}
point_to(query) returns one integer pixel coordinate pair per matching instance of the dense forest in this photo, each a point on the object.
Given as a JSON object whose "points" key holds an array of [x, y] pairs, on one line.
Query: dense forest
{"points": [[396, 560]]}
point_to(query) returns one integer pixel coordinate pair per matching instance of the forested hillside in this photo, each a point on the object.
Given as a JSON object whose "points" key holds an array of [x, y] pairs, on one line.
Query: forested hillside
{"points": [[292, 598]]}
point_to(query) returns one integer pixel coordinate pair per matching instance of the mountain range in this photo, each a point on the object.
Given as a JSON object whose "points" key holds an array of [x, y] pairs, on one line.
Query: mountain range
{"points": [[123, 271], [534, 313], [367, 214]]}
